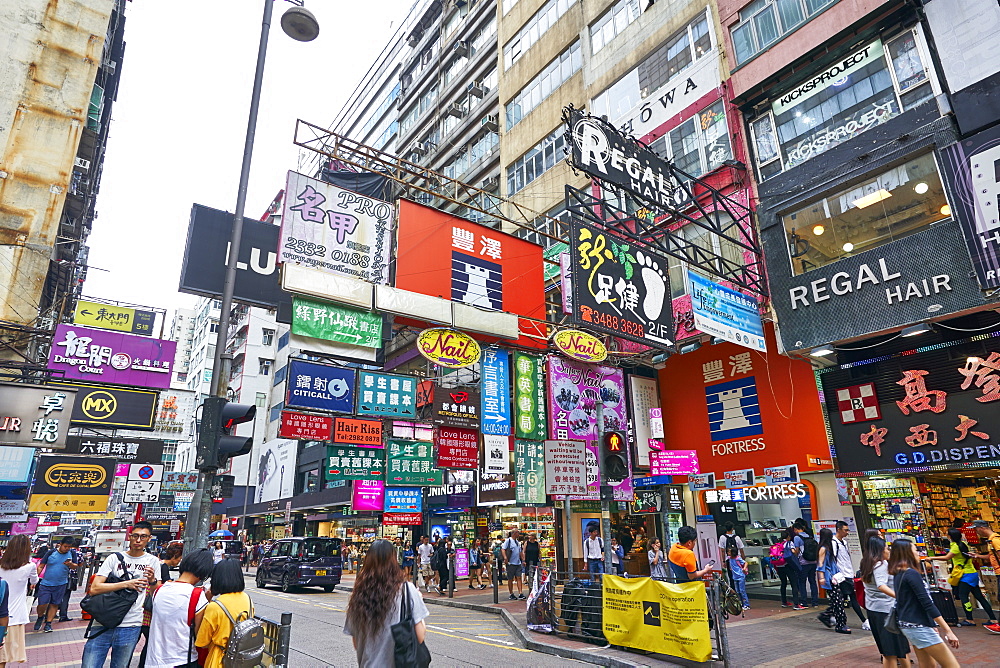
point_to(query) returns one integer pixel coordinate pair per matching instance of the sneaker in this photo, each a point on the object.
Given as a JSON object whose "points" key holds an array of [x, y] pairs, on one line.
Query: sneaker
{"points": [[48, 627], [786, 605], [966, 622], [746, 607], [866, 626], [826, 620], [843, 629], [38, 623], [512, 598], [521, 596], [800, 607], [992, 628]]}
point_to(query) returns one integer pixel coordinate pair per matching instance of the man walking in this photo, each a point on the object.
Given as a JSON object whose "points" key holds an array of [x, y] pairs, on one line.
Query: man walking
{"points": [[425, 551], [843, 579], [511, 550], [984, 531], [54, 584], [728, 541], [593, 550], [808, 556]]}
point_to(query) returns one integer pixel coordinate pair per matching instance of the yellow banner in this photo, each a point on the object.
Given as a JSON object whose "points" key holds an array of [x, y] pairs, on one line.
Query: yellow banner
{"points": [[657, 616], [67, 503], [116, 318]]}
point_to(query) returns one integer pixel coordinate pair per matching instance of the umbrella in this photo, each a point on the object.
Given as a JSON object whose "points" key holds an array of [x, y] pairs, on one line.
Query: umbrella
{"points": [[221, 533]]}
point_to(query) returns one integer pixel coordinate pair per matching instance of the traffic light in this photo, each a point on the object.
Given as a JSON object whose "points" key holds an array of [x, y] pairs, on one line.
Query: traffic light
{"points": [[614, 457], [216, 442]]}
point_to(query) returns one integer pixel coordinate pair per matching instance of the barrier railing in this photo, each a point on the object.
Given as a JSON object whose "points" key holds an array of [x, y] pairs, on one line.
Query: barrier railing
{"points": [[277, 640]]}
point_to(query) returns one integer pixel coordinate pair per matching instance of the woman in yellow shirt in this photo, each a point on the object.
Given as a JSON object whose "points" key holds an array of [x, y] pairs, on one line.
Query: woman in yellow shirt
{"points": [[961, 557], [227, 589]]}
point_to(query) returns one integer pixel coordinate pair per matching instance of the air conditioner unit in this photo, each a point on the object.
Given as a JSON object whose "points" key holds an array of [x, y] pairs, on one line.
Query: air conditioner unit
{"points": [[491, 183], [476, 89], [492, 123], [81, 163], [418, 148], [455, 109], [460, 48]]}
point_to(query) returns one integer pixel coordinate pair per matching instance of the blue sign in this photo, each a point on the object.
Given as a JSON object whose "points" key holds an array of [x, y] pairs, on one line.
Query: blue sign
{"points": [[404, 500], [697, 481], [15, 463], [725, 313], [781, 475], [651, 480], [733, 409], [321, 387], [387, 395], [182, 505], [494, 415]]}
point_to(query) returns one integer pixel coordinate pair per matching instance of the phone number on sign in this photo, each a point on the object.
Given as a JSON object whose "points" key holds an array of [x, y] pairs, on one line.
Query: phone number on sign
{"points": [[613, 322]]}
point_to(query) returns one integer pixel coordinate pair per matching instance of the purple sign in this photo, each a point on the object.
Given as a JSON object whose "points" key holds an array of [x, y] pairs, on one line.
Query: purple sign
{"points": [[461, 563], [27, 528], [112, 357], [368, 495], [674, 462]]}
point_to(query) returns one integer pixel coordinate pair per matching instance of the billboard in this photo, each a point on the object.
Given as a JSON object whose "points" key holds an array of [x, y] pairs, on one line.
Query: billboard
{"points": [[105, 406], [320, 386], [112, 357], [456, 407], [117, 318], [15, 464], [495, 373], [276, 470], [175, 416], [35, 416], [336, 230], [726, 313], [132, 450], [71, 484], [333, 322], [387, 395]]}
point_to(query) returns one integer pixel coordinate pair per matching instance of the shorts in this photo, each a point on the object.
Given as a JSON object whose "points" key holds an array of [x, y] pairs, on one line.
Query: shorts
{"points": [[514, 570], [426, 570], [51, 594], [13, 650], [921, 637]]}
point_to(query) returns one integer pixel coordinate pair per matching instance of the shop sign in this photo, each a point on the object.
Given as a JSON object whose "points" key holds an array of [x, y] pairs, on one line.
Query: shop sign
{"points": [[174, 418], [496, 392], [117, 407], [180, 481], [335, 230], [402, 519], [579, 345], [368, 495], [456, 407], [565, 467], [530, 420], [618, 289], [574, 390], [141, 491], [644, 396], [112, 357], [448, 347], [777, 475], [387, 395], [332, 322], [35, 416], [117, 318], [69, 484], [412, 463], [496, 454], [320, 387], [457, 492], [673, 462], [457, 448], [647, 501], [404, 500], [656, 422], [461, 563], [835, 75], [349, 463], [306, 427], [726, 313], [497, 489], [529, 472], [15, 464], [675, 501], [701, 481], [359, 432], [740, 478], [134, 450]]}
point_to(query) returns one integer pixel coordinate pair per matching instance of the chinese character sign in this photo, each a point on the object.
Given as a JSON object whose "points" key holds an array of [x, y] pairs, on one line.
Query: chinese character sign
{"points": [[351, 463], [565, 467], [332, 322], [411, 463], [529, 471], [673, 462], [35, 416], [619, 288], [726, 313], [456, 407], [133, 450], [319, 386], [457, 448], [404, 500], [305, 427], [179, 481], [387, 395], [15, 464], [71, 484], [530, 421], [574, 390], [112, 357], [367, 495], [495, 392], [117, 318], [336, 230]]}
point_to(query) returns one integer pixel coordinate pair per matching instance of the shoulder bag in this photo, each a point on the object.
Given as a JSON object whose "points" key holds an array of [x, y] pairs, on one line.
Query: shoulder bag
{"points": [[409, 652], [892, 622], [957, 571], [109, 609]]}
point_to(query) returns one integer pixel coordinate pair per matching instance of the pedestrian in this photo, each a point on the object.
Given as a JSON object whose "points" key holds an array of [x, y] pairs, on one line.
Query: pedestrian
{"points": [[962, 562], [177, 608], [219, 554], [441, 562], [682, 559], [425, 551], [355, 558], [512, 555], [729, 540], [807, 562], [830, 578], [475, 565], [617, 557], [532, 558], [171, 558], [345, 557], [657, 560], [18, 572], [375, 605], [789, 569], [738, 569], [879, 599], [593, 550], [408, 556], [843, 556], [918, 618], [138, 570], [498, 559], [984, 531], [53, 569], [71, 584], [226, 591]]}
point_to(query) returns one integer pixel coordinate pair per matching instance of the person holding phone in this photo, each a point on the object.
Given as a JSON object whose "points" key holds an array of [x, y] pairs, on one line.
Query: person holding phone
{"points": [[682, 559]]}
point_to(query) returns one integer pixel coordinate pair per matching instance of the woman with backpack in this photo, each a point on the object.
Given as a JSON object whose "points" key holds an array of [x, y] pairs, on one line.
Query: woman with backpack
{"points": [[229, 606], [18, 572], [879, 600], [964, 577], [785, 559], [827, 575]]}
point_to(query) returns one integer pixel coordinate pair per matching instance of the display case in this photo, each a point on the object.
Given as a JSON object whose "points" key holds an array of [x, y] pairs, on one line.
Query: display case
{"points": [[894, 506], [539, 521]]}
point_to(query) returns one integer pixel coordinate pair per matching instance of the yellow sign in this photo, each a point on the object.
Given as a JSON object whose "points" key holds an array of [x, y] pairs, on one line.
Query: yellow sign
{"points": [[110, 515], [116, 318], [657, 616], [448, 347], [580, 345]]}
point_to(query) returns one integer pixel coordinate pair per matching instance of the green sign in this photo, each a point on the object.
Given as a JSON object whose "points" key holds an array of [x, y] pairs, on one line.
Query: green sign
{"points": [[529, 398], [412, 463], [550, 271], [347, 463], [529, 471], [331, 322]]}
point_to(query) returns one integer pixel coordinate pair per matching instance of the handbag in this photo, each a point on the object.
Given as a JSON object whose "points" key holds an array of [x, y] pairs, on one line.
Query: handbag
{"points": [[409, 652], [892, 622], [957, 571], [109, 609]]}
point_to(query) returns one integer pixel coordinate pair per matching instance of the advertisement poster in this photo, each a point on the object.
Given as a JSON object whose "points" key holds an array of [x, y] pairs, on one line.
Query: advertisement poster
{"points": [[645, 398], [740, 478], [461, 563], [113, 407], [530, 420], [101, 356], [726, 313], [412, 463], [320, 386], [495, 392], [336, 230], [565, 467], [457, 448], [701, 481], [71, 484], [276, 470], [529, 472], [459, 491], [137, 450], [302, 426], [574, 390], [780, 475], [368, 495], [333, 322], [496, 454], [387, 395]]}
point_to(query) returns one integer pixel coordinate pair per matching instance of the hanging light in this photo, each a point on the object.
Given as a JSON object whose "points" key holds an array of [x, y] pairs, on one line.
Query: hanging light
{"points": [[848, 247], [818, 230]]}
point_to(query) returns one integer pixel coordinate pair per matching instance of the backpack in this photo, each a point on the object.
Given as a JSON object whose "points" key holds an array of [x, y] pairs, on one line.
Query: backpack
{"points": [[438, 559], [731, 543], [245, 647], [777, 554], [810, 548]]}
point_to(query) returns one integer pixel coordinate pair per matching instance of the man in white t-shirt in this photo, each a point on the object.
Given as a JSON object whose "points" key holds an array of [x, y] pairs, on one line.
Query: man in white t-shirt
{"points": [[511, 551], [175, 603], [425, 550], [139, 570]]}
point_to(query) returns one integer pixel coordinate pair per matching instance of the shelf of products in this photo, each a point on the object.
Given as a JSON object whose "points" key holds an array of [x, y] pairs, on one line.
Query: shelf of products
{"points": [[539, 521], [894, 505], [943, 503]]}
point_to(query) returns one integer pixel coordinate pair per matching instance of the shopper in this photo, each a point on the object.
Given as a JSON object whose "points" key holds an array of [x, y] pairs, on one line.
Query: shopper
{"points": [[441, 563], [177, 611], [498, 559], [511, 550], [18, 572], [138, 569], [171, 558], [879, 601], [992, 540], [919, 619], [407, 564], [593, 550], [54, 572], [475, 565], [683, 562], [789, 569], [227, 590], [425, 551], [375, 606], [842, 554], [657, 560], [617, 557], [532, 558], [807, 561], [729, 540], [829, 578], [962, 560], [738, 569]]}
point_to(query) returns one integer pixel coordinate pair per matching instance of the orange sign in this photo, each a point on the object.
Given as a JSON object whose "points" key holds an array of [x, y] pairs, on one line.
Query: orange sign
{"points": [[359, 432]]}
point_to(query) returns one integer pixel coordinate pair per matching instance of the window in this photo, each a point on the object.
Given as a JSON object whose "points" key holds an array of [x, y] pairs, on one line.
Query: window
{"points": [[881, 209], [276, 411], [508, 5], [265, 366], [548, 80], [283, 340], [267, 337], [613, 22], [216, 304], [763, 22], [310, 481], [285, 548], [538, 160], [261, 400], [214, 326], [280, 375], [532, 31], [699, 144]]}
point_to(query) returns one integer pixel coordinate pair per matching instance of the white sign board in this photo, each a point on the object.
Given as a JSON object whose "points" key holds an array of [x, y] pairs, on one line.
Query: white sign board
{"points": [[565, 467], [336, 230], [496, 458], [175, 526], [141, 491], [145, 472], [11, 506]]}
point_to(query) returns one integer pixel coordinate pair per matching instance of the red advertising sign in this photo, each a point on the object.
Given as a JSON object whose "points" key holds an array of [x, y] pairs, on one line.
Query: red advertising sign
{"points": [[304, 426], [360, 432], [402, 519], [457, 448]]}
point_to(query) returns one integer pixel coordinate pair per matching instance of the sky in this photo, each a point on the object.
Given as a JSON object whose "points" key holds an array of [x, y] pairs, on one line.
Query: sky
{"points": [[179, 124]]}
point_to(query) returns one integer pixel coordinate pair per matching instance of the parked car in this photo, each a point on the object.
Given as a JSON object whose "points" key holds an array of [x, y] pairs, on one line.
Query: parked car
{"points": [[301, 562]]}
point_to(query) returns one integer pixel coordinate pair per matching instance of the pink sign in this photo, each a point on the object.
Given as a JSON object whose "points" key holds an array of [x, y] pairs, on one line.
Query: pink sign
{"points": [[368, 495], [28, 528], [622, 490], [461, 563], [121, 470], [655, 444], [674, 462]]}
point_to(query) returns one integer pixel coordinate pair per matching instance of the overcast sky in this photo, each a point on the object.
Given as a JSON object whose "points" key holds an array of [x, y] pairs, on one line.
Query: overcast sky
{"points": [[180, 120]]}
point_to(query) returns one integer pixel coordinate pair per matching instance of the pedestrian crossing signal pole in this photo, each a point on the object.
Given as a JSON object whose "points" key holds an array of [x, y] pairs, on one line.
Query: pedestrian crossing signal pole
{"points": [[614, 469], [607, 493]]}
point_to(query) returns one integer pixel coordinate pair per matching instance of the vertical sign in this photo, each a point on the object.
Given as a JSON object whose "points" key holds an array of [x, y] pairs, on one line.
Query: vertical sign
{"points": [[529, 472], [644, 397], [495, 413], [529, 397], [457, 448], [496, 454], [565, 467]]}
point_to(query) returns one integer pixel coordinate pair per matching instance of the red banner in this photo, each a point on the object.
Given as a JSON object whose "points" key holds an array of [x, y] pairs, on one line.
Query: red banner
{"points": [[402, 519], [304, 426], [360, 432], [457, 448]]}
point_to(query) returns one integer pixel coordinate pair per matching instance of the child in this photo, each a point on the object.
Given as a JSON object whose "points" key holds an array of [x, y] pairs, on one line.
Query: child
{"points": [[738, 567]]}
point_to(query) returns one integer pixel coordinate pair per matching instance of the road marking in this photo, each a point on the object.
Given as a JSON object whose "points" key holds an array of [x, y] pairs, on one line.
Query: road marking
{"points": [[480, 642], [505, 642], [55, 644]]}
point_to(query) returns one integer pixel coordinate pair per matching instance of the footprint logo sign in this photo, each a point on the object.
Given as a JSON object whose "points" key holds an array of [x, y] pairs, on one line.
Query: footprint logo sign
{"points": [[651, 613], [655, 283]]}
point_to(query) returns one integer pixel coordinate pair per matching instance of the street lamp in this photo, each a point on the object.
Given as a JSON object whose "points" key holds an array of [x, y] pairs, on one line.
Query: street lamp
{"points": [[299, 24]]}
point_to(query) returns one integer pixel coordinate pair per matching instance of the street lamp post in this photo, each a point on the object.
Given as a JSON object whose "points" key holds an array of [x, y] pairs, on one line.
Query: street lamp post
{"points": [[299, 24]]}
